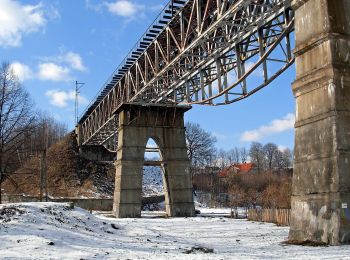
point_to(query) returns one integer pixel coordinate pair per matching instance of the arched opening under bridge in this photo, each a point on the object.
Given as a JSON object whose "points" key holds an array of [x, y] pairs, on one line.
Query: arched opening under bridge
{"points": [[154, 189]]}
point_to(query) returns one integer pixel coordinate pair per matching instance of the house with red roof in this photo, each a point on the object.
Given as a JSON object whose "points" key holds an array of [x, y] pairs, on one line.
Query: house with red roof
{"points": [[237, 168]]}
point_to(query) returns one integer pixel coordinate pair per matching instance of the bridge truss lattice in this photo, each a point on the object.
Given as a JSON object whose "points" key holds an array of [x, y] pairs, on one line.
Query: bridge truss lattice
{"points": [[209, 52]]}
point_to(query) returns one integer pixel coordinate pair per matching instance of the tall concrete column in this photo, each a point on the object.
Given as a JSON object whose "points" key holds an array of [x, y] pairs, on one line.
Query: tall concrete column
{"points": [[321, 181], [166, 126]]}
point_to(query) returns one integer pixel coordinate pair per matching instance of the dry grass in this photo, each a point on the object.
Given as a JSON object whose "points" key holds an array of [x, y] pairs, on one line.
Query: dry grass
{"points": [[69, 174]]}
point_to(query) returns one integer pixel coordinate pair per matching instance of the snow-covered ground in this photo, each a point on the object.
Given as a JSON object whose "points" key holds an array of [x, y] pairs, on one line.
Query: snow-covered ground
{"points": [[55, 231], [152, 181]]}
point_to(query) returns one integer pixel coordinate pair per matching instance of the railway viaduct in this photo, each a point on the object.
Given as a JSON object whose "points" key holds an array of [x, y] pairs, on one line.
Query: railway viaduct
{"points": [[196, 52]]}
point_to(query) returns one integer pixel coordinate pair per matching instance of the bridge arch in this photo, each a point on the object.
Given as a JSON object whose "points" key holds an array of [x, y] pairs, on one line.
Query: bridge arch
{"points": [[165, 125]]}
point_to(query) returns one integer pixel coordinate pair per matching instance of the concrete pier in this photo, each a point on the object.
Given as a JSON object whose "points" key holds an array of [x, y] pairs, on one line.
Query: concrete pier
{"points": [[165, 125], [321, 181]]}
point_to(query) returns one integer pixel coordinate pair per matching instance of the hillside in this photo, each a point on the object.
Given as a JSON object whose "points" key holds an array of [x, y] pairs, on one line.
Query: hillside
{"points": [[152, 182], [69, 174]]}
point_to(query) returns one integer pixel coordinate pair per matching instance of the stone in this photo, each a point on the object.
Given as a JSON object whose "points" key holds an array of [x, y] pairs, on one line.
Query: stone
{"points": [[321, 179]]}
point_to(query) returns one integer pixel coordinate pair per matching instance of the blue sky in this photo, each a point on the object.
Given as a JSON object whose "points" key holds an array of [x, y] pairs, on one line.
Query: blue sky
{"points": [[52, 43]]}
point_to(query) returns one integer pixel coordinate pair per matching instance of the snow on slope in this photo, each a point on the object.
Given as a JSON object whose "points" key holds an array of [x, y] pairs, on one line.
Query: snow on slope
{"points": [[54, 231], [152, 181]]}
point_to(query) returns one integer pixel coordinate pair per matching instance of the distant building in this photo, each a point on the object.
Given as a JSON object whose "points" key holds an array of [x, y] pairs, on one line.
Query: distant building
{"points": [[237, 168]]}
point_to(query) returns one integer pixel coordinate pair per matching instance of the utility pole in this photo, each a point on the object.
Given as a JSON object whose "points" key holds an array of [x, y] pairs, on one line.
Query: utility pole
{"points": [[78, 86], [43, 168], [43, 175]]}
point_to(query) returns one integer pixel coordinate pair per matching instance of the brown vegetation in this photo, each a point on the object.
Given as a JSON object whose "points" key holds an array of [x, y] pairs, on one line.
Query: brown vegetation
{"points": [[268, 190], [69, 174]]}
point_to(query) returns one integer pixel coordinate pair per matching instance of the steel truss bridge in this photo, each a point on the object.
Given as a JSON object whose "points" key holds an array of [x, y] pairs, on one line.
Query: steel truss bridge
{"points": [[208, 52]]}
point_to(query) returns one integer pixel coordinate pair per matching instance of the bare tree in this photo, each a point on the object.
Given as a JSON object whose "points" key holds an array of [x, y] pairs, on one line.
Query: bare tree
{"points": [[233, 156], [283, 159], [223, 159], [256, 154], [230, 157], [270, 150], [287, 158], [278, 160], [16, 120], [244, 154], [200, 144], [237, 155], [47, 132]]}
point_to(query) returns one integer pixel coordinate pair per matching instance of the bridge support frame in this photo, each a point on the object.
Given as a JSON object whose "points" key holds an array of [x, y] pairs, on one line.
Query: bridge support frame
{"points": [[165, 125], [321, 180]]}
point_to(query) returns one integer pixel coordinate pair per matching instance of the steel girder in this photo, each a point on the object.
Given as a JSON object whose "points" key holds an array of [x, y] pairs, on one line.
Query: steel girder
{"points": [[211, 52]]}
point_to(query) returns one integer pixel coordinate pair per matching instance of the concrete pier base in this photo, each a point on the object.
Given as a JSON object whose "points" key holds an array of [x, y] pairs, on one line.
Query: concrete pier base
{"points": [[321, 181], [166, 127]]}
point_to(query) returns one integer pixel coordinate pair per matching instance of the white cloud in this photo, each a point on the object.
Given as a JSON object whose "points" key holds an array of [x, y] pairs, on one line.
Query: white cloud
{"points": [[258, 72], [69, 59], [57, 68], [232, 75], [82, 100], [22, 71], [282, 148], [17, 20], [61, 98], [276, 126], [124, 8], [74, 60], [53, 72]]}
